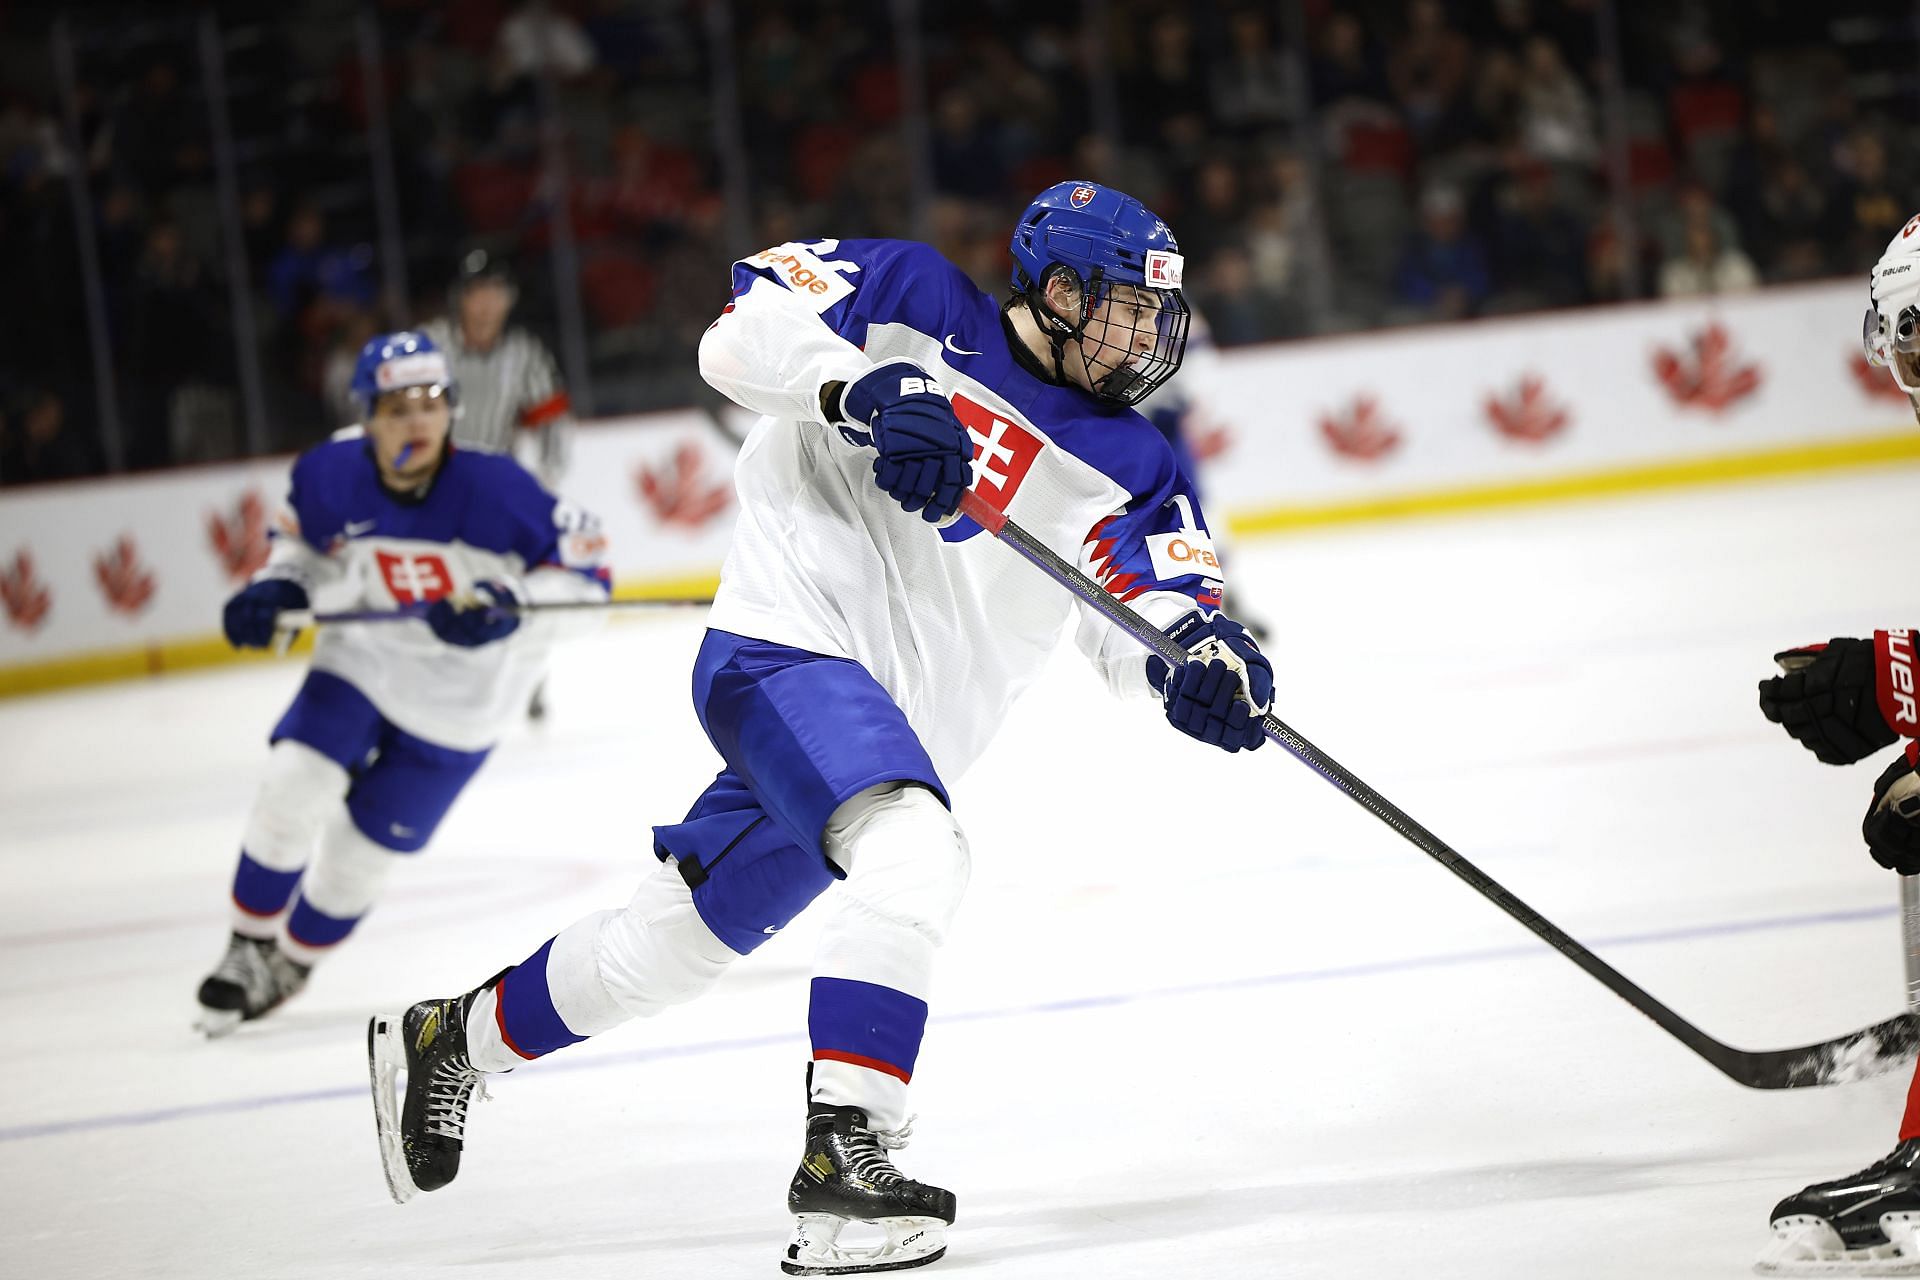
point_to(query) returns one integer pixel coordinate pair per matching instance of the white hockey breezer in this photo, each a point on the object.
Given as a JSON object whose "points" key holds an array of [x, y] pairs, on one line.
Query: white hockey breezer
{"points": [[1804, 1245], [816, 1249]]}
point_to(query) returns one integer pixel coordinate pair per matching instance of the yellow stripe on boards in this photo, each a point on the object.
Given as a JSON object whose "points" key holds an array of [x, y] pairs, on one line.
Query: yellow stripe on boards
{"points": [[1677, 473]]}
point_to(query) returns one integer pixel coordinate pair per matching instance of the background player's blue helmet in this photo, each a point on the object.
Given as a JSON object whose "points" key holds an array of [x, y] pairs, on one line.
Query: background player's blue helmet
{"points": [[393, 361], [1106, 239]]}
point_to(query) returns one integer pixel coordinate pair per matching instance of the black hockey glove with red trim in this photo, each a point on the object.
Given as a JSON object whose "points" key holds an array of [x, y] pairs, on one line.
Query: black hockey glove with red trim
{"points": [[1892, 828], [1846, 699]]}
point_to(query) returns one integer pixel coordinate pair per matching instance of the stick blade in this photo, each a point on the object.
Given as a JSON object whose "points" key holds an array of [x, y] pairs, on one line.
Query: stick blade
{"points": [[1866, 1053]]}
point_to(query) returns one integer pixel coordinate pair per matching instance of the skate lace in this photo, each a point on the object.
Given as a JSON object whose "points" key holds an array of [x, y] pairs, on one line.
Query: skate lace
{"points": [[867, 1151], [448, 1094]]}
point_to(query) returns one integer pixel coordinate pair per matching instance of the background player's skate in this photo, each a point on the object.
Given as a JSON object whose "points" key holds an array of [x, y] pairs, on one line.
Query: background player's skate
{"points": [[253, 978]]}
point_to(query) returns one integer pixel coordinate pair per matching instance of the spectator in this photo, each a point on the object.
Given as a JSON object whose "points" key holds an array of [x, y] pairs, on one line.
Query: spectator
{"points": [[1428, 69], [307, 270], [1556, 116], [1251, 92], [1539, 246], [1867, 207], [1443, 271], [36, 442], [173, 317], [1708, 265]]}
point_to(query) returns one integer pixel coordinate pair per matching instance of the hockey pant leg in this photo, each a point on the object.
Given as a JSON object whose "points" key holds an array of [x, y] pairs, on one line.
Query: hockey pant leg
{"points": [[300, 794], [907, 865]]}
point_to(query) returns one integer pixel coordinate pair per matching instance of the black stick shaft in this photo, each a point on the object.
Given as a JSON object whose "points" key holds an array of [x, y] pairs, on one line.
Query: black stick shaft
{"points": [[1847, 1057]]}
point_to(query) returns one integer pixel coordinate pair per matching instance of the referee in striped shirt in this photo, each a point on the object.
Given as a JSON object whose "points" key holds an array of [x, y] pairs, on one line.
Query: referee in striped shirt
{"points": [[511, 400]]}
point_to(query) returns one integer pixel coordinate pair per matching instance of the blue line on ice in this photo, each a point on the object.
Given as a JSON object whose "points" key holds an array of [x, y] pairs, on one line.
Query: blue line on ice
{"points": [[1522, 951]]}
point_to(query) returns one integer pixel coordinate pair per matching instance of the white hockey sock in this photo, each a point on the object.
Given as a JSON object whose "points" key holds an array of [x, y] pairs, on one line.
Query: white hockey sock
{"points": [[907, 865], [599, 972]]}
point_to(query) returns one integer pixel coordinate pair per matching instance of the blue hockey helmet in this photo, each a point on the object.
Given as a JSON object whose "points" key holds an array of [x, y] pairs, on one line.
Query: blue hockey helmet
{"points": [[394, 361], [1104, 239]]}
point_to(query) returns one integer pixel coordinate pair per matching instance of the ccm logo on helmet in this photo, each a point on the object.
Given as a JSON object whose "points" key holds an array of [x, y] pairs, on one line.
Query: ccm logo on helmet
{"points": [[1164, 269], [1903, 714], [1082, 197]]}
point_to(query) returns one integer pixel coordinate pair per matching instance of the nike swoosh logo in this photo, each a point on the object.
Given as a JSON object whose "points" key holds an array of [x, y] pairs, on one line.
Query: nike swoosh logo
{"points": [[357, 528], [957, 350], [772, 928]]}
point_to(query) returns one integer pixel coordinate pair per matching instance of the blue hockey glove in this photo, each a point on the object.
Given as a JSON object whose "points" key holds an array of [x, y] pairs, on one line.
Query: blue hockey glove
{"points": [[472, 621], [1225, 686], [925, 455], [249, 616]]}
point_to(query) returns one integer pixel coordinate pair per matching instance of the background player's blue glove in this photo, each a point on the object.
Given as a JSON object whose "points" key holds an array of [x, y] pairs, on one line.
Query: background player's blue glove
{"points": [[1892, 826], [249, 616], [1225, 686], [471, 621], [926, 456]]}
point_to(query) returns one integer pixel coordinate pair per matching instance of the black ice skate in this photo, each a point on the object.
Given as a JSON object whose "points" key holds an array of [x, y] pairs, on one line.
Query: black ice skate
{"points": [[421, 1138], [847, 1176], [254, 978], [1867, 1224]]}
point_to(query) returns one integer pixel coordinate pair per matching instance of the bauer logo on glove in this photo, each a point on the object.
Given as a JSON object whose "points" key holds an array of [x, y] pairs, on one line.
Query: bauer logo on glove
{"points": [[1847, 698]]}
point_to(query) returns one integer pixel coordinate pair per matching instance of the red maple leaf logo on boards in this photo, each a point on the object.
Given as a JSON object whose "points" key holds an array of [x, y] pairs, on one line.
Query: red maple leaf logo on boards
{"points": [[1528, 415], [240, 541], [1712, 379], [1876, 382], [26, 599], [678, 493], [1361, 432], [126, 585]]}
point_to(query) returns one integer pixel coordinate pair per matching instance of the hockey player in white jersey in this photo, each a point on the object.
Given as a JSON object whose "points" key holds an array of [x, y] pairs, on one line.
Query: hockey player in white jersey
{"points": [[863, 649], [393, 718], [1844, 701]]}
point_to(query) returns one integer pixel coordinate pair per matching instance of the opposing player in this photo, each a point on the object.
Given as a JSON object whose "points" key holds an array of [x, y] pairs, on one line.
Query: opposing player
{"points": [[1845, 701], [393, 718], [863, 649]]}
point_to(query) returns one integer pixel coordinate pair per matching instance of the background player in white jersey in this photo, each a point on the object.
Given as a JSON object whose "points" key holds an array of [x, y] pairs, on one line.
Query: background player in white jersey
{"points": [[511, 397], [862, 651], [1844, 701], [393, 718]]}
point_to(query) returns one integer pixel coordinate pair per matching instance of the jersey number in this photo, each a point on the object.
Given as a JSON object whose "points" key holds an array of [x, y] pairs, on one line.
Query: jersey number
{"points": [[413, 579]]}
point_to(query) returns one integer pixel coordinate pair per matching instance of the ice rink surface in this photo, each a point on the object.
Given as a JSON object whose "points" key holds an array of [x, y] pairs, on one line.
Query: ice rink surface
{"points": [[1202, 1016]]}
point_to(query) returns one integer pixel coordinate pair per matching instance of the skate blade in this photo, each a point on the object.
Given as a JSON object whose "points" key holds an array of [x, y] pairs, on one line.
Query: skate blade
{"points": [[1808, 1246], [215, 1023], [815, 1249], [386, 1059]]}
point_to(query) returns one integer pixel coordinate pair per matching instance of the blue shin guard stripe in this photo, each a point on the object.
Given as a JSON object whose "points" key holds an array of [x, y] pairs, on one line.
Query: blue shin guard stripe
{"points": [[528, 1022], [311, 927], [866, 1024], [262, 891]]}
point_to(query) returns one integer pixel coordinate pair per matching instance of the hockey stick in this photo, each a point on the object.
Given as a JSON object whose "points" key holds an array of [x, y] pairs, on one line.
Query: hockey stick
{"points": [[1856, 1056], [1910, 935], [298, 619]]}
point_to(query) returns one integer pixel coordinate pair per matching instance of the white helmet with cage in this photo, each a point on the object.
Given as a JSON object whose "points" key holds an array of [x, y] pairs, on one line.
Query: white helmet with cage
{"points": [[1891, 334]]}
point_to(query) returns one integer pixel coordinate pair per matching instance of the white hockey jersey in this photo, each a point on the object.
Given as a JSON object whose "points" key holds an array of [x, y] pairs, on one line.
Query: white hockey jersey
{"points": [[484, 518], [952, 626]]}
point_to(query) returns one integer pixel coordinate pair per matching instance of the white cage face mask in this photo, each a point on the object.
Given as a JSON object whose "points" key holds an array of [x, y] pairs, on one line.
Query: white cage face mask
{"points": [[1894, 346]]}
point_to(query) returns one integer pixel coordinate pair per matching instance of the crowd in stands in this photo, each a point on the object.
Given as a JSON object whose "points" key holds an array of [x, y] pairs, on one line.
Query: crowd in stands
{"points": [[1407, 161]]}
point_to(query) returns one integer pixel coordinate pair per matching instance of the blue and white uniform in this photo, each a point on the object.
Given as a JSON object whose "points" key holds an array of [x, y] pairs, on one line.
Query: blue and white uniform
{"points": [[861, 659], [391, 722]]}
